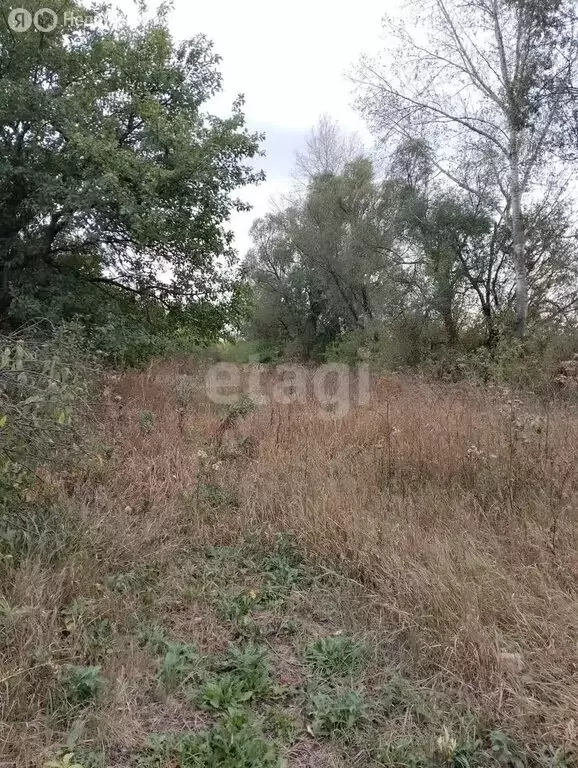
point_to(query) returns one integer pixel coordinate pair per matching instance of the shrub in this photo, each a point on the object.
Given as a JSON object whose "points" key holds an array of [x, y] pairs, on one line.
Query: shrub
{"points": [[43, 385]]}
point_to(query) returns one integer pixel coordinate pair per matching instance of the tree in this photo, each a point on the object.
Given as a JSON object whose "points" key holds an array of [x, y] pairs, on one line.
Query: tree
{"points": [[487, 82], [324, 265], [328, 149], [112, 177]]}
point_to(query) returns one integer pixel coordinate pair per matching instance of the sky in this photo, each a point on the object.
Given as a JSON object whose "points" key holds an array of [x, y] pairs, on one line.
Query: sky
{"points": [[290, 61]]}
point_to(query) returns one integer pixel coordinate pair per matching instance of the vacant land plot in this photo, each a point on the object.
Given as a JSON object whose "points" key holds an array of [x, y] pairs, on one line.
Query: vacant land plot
{"points": [[237, 586]]}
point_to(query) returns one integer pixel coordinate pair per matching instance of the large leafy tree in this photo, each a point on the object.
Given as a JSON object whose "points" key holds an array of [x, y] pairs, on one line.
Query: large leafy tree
{"points": [[488, 82], [114, 182], [325, 263]]}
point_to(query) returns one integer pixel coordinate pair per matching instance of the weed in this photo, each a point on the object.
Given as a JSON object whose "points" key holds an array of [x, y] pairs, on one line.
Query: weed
{"points": [[66, 761], [335, 655], [452, 752], [237, 608], [250, 665], [283, 725], [153, 637], [82, 684], [82, 626], [35, 529], [506, 751], [397, 696], [223, 692], [237, 742], [146, 422], [336, 713], [138, 579], [404, 754], [281, 572], [180, 663], [90, 758], [186, 389], [216, 497]]}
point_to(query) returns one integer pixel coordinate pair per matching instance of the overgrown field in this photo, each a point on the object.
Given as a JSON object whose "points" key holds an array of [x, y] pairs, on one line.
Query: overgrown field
{"points": [[245, 585]]}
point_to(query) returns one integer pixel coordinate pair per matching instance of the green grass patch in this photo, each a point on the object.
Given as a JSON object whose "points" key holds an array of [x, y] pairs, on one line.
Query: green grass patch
{"points": [[180, 665], [236, 742], [336, 713], [335, 655]]}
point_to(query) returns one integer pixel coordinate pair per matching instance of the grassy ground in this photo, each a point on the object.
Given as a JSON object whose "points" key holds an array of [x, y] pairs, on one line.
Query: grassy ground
{"points": [[218, 587]]}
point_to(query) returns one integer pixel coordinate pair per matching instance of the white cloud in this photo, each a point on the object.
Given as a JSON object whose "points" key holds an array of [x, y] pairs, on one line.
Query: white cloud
{"points": [[290, 61]]}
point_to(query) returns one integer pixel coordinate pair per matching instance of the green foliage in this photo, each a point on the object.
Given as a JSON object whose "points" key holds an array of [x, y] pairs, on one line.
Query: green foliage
{"points": [[398, 696], [335, 655], [249, 664], [243, 675], [67, 760], [283, 566], [43, 386], [33, 528], [186, 391], [239, 409], [42, 381], [403, 754], [283, 725], [237, 607], [115, 184], [236, 742], [506, 751], [216, 497], [140, 579], [223, 692], [146, 422], [153, 637], [280, 572], [244, 351], [322, 265], [82, 684], [180, 664], [90, 758], [336, 713], [86, 629]]}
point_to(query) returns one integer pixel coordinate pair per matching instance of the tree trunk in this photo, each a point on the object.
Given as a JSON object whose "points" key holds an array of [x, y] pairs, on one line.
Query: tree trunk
{"points": [[518, 239], [450, 326], [493, 336]]}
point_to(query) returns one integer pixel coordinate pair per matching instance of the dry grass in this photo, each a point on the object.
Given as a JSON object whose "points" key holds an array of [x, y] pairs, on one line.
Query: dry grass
{"points": [[451, 507]]}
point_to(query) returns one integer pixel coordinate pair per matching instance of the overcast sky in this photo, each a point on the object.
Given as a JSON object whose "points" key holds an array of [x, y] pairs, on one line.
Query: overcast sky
{"points": [[289, 60]]}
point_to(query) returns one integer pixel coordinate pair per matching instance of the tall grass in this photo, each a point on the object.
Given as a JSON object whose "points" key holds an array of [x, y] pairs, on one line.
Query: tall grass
{"points": [[453, 507], [456, 506]]}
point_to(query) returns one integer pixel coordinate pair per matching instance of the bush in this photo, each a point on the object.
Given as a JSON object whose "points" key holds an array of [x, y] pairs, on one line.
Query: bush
{"points": [[43, 385], [246, 352]]}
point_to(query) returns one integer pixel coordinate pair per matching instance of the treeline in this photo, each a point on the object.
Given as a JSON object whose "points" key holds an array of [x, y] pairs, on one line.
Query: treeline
{"points": [[458, 232], [455, 235], [404, 258]]}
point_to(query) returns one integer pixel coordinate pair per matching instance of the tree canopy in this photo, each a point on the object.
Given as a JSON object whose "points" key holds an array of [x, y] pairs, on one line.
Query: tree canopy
{"points": [[115, 184], [405, 256]]}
